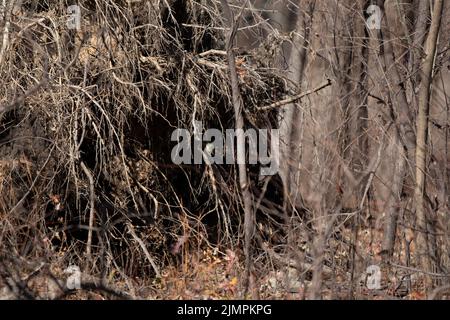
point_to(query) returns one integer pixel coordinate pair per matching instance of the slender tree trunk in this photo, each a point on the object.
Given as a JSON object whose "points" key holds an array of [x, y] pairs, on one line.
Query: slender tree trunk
{"points": [[240, 148], [290, 115], [403, 139], [421, 139], [420, 28]]}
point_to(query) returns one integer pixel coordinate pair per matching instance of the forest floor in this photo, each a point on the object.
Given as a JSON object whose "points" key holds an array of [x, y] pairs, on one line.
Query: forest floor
{"points": [[203, 274]]}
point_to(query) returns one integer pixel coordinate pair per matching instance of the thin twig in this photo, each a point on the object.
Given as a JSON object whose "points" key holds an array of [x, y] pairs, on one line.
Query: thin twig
{"points": [[88, 173], [144, 248], [296, 97]]}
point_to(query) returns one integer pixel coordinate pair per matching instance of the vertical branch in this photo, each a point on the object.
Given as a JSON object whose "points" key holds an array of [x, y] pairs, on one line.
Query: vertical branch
{"points": [[290, 115], [403, 135], [6, 16], [240, 148], [325, 226], [420, 29], [421, 139], [88, 173]]}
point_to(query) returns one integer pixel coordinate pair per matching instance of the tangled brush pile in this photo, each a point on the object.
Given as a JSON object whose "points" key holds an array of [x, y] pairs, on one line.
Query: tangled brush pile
{"points": [[86, 120]]}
